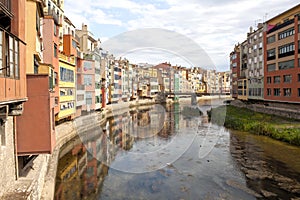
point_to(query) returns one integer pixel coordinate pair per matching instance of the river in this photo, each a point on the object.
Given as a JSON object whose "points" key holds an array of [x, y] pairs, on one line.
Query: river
{"points": [[173, 152]]}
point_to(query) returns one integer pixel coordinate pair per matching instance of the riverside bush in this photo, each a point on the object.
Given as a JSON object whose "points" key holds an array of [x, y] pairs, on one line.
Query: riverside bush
{"points": [[243, 119]]}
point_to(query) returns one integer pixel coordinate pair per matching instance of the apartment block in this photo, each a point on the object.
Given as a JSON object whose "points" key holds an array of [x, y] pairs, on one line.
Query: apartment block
{"points": [[243, 75], [281, 62], [36, 136], [255, 61]]}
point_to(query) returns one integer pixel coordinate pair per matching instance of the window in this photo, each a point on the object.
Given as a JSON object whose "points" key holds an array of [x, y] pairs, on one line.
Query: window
{"points": [[51, 78], [66, 75], [269, 79], [271, 39], [271, 67], [74, 44], [55, 29], [286, 33], [271, 54], [89, 98], [276, 79], [286, 50], [87, 80], [67, 105], [298, 92], [66, 92], [286, 65], [55, 78], [276, 91], [55, 51], [287, 92], [298, 77], [80, 97], [2, 68], [269, 92], [87, 66], [9, 56], [287, 78]]}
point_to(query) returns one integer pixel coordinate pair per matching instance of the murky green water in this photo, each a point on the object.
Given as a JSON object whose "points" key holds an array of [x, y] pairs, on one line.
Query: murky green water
{"points": [[173, 153]]}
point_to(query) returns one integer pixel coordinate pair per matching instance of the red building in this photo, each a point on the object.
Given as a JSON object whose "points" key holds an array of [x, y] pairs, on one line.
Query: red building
{"points": [[235, 70], [281, 64]]}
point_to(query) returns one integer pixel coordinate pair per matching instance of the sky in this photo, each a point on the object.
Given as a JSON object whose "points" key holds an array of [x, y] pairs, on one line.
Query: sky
{"points": [[211, 27]]}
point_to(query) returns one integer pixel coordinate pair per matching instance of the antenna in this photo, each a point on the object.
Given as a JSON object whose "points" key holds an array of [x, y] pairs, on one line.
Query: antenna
{"points": [[265, 17], [256, 22]]}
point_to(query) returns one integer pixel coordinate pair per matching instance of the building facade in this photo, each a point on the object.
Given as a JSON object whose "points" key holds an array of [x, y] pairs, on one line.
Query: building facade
{"points": [[281, 69]]}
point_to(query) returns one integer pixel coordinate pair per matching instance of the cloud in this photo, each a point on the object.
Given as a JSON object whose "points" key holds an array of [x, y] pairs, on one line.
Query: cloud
{"points": [[214, 25]]}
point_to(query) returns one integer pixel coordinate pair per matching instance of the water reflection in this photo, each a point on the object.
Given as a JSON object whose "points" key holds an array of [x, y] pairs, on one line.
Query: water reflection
{"points": [[172, 154], [141, 135], [271, 168]]}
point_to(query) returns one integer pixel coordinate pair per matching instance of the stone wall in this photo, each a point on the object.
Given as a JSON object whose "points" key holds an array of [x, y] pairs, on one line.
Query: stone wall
{"points": [[273, 108], [7, 156]]}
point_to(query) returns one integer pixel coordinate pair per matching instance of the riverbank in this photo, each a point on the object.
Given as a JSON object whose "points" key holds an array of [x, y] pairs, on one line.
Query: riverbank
{"points": [[243, 119]]}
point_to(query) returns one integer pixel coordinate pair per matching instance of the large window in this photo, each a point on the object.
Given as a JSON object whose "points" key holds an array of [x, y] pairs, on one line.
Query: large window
{"points": [[271, 67], [286, 33], [9, 56], [286, 50], [66, 75], [286, 65]]}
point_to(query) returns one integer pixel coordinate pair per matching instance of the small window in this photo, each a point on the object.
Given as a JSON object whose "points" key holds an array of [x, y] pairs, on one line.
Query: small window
{"points": [[269, 80], [276, 91], [287, 78], [276, 79], [269, 92], [287, 92], [55, 50]]}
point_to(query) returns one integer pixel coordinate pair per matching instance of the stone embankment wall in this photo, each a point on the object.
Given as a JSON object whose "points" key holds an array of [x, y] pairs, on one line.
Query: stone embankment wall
{"points": [[280, 109]]}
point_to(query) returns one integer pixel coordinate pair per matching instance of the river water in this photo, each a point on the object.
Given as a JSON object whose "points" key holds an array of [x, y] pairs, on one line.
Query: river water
{"points": [[173, 152]]}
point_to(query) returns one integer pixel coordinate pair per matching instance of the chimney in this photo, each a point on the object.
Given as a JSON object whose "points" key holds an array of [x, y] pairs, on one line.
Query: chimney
{"points": [[251, 29]]}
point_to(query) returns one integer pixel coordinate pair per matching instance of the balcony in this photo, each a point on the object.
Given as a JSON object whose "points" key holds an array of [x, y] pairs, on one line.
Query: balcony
{"points": [[5, 7], [51, 12], [5, 13], [282, 25]]}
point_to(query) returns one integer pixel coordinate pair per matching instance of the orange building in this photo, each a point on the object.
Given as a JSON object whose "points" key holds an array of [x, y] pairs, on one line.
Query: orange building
{"points": [[12, 84], [282, 74]]}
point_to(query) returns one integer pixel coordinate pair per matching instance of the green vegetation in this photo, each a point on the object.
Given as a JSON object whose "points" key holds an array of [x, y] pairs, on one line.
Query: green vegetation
{"points": [[287, 130]]}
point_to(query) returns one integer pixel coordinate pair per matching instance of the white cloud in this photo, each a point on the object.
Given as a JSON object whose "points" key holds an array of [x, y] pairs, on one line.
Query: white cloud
{"points": [[215, 25]]}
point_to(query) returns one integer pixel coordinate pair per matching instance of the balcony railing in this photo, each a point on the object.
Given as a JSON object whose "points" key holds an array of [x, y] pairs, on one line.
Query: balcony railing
{"points": [[55, 16]]}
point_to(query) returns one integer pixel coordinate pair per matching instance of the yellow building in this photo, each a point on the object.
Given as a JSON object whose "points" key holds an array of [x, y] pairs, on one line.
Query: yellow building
{"points": [[67, 87]]}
